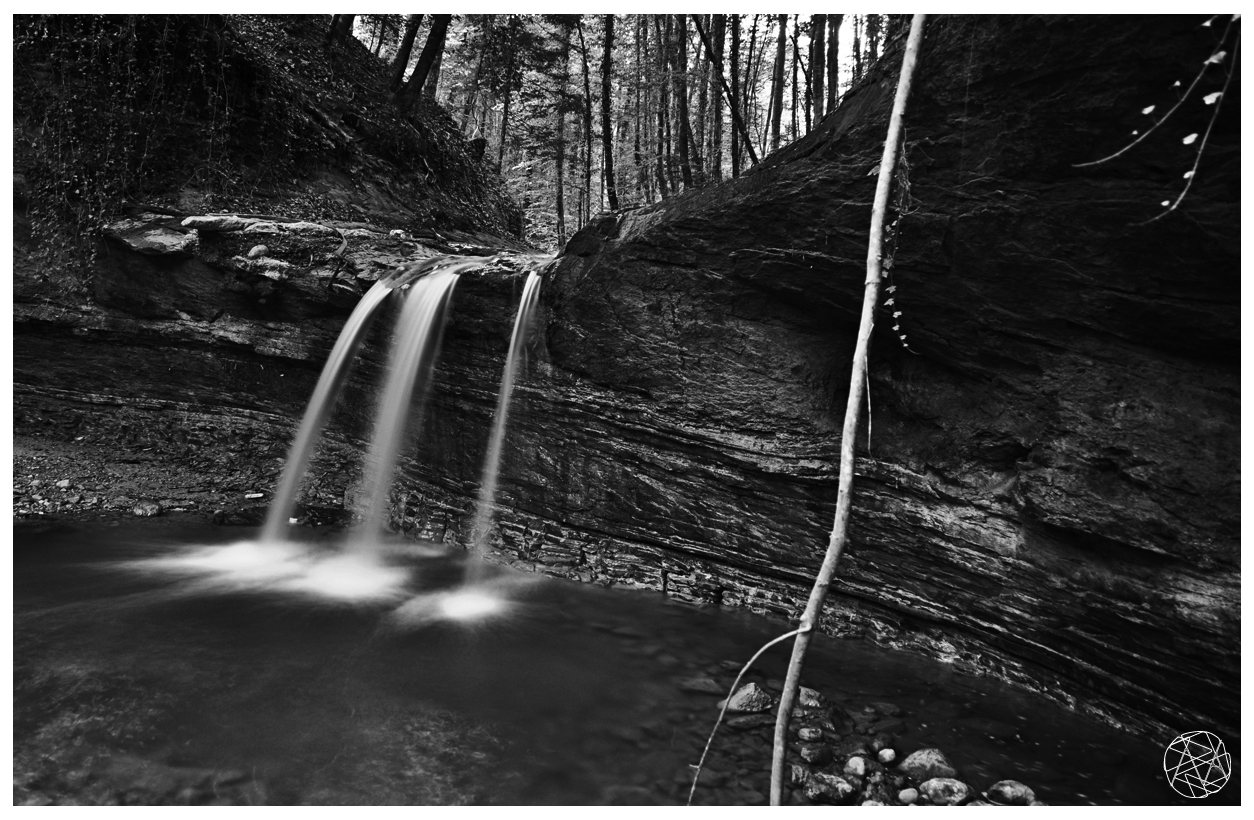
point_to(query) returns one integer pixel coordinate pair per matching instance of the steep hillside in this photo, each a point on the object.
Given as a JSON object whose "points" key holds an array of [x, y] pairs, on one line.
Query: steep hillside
{"points": [[213, 113]]}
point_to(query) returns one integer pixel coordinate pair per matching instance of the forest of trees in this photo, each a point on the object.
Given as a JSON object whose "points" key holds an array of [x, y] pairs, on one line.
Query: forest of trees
{"points": [[581, 113]]}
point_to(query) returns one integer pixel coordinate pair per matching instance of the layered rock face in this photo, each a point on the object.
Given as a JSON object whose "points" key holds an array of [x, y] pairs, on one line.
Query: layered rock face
{"points": [[1048, 488]]}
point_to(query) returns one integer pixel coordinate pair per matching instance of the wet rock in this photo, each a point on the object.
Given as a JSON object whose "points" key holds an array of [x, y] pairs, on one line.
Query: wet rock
{"points": [[750, 721], [64, 484], [257, 251], [828, 788], [1010, 793], [810, 698], [217, 223], [926, 764], [749, 698], [907, 796], [887, 709], [810, 733], [872, 803], [855, 766], [706, 686], [814, 753], [798, 774], [893, 726], [151, 239], [945, 791], [146, 509], [851, 747], [886, 756]]}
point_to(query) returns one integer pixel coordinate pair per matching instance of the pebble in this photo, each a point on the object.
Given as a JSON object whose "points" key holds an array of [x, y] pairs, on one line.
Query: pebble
{"points": [[887, 709], [872, 803], [926, 764], [258, 251], [907, 796], [886, 756], [64, 484], [945, 791], [810, 733], [810, 698], [146, 509], [855, 766]]}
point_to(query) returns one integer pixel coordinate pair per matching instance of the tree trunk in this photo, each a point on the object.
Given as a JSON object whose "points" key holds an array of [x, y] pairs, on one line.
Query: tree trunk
{"points": [[341, 27], [403, 53], [681, 97], [796, 58], [433, 79], [560, 142], [731, 95], [818, 28], [857, 49], [777, 85], [734, 100], [872, 39], [833, 59], [434, 47], [703, 107], [642, 176], [853, 408], [715, 153], [663, 147], [587, 127], [607, 141]]}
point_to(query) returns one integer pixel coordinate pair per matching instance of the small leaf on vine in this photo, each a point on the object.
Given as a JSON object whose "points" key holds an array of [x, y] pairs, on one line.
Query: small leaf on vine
{"points": [[891, 288], [1188, 174], [1210, 99], [1134, 133], [1147, 109], [1165, 203], [1190, 139], [1216, 58], [1207, 23], [1176, 84], [889, 302]]}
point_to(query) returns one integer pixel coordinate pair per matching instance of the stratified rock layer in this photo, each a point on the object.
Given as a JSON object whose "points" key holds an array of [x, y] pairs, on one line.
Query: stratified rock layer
{"points": [[1048, 491]]}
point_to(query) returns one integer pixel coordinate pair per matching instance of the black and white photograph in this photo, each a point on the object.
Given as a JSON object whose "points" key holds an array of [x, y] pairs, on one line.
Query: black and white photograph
{"points": [[633, 409]]}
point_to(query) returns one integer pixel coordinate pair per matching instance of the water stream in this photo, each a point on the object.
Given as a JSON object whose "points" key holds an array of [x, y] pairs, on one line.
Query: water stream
{"points": [[514, 361]]}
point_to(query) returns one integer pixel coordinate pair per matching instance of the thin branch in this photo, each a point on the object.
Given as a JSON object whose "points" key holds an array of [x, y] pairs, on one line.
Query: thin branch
{"points": [[1165, 117], [735, 684], [1192, 175]]}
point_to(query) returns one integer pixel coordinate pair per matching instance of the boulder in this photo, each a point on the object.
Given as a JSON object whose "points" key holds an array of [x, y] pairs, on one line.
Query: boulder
{"points": [[152, 240], [217, 223], [748, 698], [945, 791], [926, 764], [828, 788], [1010, 793]]}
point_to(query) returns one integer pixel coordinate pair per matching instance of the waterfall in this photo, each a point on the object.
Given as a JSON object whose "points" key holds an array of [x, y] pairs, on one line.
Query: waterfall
{"points": [[334, 374], [409, 367], [491, 464]]}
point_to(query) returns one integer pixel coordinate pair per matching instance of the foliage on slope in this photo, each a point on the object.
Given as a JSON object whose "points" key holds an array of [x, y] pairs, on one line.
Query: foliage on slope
{"points": [[216, 113]]}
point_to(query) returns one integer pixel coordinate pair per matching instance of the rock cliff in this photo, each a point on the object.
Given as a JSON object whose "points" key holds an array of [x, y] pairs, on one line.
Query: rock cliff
{"points": [[1048, 490]]}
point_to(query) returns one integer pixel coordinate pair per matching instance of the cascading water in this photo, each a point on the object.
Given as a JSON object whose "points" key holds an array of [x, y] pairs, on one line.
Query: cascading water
{"points": [[334, 374], [409, 367], [491, 464]]}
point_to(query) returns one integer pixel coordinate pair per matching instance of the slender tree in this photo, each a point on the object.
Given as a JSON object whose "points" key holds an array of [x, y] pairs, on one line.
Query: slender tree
{"points": [[401, 63], [587, 126], [833, 60], [560, 144], [853, 408], [715, 152], [607, 142], [818, 28], [731, 95], [733, 101], [680, 75], [777, 83]]}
